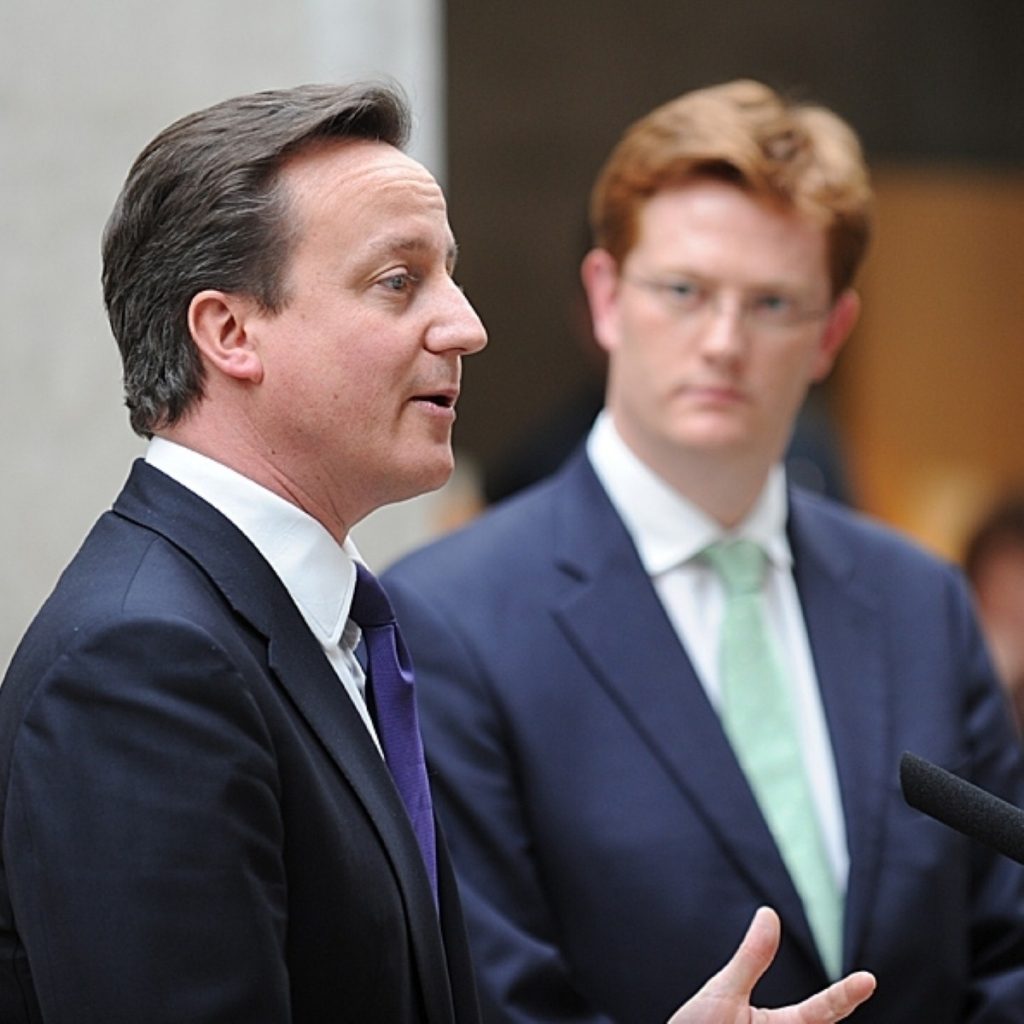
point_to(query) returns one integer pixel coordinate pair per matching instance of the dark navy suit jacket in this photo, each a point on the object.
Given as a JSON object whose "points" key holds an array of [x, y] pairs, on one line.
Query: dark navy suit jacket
{"points": [[196, 825], [609, 849]]}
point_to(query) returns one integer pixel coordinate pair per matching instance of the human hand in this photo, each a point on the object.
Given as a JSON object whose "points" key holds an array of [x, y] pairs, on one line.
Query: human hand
{"points": [[725, 998]]}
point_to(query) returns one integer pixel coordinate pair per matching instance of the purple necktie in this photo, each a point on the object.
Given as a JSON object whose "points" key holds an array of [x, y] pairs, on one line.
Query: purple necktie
{"points": [[393, 698]]}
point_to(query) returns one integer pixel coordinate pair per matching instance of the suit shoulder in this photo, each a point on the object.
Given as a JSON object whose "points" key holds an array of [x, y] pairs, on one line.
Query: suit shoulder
{"points": [[121, 569], [122, 577], [512, 529], [872, 543]]}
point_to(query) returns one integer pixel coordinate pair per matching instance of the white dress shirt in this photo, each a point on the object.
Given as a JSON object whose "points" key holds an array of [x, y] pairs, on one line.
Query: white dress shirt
{"points": [[318, 573], [669, 533]]}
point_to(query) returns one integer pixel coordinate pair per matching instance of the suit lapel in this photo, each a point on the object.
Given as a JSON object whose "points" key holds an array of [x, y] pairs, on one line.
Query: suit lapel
{"points": [[299, 664], [847, 636], [251, 587], [653, 683]]}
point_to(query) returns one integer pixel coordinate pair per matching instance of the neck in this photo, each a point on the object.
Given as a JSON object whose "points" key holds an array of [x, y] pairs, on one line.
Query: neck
{"points": [[237, 447], [725, 496], [724, 485]]}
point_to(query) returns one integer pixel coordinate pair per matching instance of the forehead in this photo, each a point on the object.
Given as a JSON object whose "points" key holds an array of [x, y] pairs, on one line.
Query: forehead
{"points": [[718, 228], [365, 191]]}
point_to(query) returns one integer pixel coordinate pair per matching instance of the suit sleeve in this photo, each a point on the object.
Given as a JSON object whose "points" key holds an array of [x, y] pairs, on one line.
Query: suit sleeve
{"points": [[522, 974], [142, 837]]}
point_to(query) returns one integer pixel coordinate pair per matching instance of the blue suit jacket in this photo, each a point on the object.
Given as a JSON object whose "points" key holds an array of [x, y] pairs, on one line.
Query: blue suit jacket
{"points": [[196, 825], [609, 849]]}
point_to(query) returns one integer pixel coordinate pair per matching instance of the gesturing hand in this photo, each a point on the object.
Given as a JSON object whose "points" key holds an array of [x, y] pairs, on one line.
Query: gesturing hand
{"points": [[725, 998]]}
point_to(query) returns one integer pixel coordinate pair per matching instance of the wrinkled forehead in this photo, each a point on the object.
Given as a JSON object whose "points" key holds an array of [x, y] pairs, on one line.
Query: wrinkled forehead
{"points": [[358, 172], [368, 200]]}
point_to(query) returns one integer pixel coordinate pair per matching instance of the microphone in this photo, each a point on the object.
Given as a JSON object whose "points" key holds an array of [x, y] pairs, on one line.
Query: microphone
{"points": [[963, 806]]}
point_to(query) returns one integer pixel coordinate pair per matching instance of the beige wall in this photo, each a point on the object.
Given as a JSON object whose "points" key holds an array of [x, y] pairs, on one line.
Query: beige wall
{"points": [[931, 387], [83, 87]]}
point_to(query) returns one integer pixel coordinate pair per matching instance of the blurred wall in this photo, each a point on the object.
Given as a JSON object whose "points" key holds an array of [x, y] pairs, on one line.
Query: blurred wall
{"points": [[931, 390], [83, 87]]}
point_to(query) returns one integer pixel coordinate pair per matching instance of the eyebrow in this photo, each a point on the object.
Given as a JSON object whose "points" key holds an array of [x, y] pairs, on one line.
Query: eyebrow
{"points": [[394, 245], [779, 284]]}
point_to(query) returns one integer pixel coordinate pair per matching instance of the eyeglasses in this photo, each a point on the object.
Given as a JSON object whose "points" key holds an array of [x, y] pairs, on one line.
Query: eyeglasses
{"points": [[766, 312]]}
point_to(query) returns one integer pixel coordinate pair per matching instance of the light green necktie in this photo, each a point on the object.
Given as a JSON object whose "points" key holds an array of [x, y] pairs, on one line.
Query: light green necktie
{"points": [[760, 720]]}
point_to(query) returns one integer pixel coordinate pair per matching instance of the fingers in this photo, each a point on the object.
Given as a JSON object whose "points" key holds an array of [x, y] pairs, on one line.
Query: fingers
{"points": [[837, 1001], [752, 958], [726, 996], [733, 984]]}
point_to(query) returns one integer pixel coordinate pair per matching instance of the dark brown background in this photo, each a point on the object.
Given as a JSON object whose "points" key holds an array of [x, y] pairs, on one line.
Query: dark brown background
{"points": [[539, 90]]}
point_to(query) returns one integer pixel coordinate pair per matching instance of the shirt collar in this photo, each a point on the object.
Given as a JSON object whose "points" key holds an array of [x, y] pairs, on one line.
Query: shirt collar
{"points": [[317, 572], [666, 528]]}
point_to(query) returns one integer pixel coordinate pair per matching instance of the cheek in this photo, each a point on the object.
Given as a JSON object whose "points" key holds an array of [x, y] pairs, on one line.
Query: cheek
{"points": [[619, 323], [357, 373], [792, 367], [649, 343], [323, 391], [648, 362]]}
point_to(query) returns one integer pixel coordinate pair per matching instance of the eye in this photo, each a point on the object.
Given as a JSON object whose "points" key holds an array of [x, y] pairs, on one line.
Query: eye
{"points": [[685, 294], [685, 290], [773, 306], [399, 282]]}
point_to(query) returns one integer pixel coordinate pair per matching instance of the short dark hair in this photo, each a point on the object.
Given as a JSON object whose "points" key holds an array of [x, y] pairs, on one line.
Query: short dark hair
{"points": [[202, 207]]}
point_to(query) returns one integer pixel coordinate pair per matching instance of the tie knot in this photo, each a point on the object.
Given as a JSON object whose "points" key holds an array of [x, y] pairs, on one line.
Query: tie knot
{"points": [[370, 604], [740, 563]]}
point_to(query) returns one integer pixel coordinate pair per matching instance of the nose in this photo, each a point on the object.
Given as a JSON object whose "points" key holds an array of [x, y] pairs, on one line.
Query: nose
{"points": [[723, 331], [457, 327]]}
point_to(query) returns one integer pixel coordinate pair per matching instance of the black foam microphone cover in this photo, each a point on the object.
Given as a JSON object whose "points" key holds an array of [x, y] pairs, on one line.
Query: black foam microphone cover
{"points": [[963, 806]]}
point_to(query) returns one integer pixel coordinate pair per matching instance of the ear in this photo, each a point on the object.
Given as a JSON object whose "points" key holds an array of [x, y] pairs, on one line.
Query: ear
{"points": [[841, 321], [217, 322], [600, 275]]}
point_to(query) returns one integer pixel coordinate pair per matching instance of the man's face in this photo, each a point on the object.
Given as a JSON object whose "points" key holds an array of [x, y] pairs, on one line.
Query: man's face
{"points": [[361, 368], [715, 323]]}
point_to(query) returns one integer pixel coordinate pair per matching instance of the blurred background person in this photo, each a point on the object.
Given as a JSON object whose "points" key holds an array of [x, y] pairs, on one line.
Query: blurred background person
{"points": [[937, 97], [668, 683], [994, 562], [814, 456]]}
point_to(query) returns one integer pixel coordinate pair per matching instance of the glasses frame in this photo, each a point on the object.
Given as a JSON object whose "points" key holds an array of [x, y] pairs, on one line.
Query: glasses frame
{"points": [[707, 296]]}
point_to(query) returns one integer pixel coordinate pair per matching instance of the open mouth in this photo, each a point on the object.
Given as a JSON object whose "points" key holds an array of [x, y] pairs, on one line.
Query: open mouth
{"points": [[441, 400]]}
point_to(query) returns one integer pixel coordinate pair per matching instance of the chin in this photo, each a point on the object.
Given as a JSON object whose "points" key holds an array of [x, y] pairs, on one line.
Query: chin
{"points": [[715, 438], [429, 474]]}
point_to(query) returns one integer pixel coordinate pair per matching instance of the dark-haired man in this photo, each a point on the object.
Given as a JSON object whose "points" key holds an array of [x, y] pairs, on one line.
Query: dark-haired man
{"points": [[209, 812]]}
